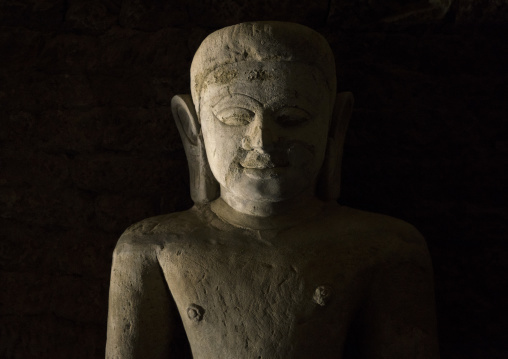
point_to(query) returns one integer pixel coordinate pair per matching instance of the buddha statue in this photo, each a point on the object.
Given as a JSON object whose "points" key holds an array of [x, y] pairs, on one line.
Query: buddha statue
{"points": [[267, 264]]}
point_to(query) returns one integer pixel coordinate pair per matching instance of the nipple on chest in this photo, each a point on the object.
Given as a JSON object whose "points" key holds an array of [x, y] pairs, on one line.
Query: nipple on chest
{"points": [[322, 295], [195, 312]]}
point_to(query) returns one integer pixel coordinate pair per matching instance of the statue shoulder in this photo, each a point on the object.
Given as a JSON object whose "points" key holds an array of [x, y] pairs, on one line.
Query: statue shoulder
{"points": [[398, 296], [171, 223], [152, 234], [393, 238]]}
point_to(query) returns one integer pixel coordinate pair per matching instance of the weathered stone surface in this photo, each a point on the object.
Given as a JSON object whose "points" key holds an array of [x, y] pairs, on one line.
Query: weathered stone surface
{"points": [[27, 294], [32, 337], [42, 206], [20, 247], [218, 14], [68, 53], [108, 218], [90, 17], [78, 299], [118, 173], [444, 145], [159, 52], [45, 15], [470, 11], [267, 265], [138, 129], [152, 15], [22, 49], [369, 14], [63, 91]]}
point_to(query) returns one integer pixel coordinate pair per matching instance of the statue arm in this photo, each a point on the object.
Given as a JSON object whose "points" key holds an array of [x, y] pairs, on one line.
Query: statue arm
{"points": [[399, 319], [141, 309]]}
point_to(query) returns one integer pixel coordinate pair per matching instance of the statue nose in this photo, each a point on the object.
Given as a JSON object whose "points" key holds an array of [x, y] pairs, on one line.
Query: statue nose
{"points": [[259, 136]]}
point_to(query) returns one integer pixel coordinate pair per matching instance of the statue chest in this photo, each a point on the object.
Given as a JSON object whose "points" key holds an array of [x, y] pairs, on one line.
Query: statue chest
{"points": [[252, 299]]}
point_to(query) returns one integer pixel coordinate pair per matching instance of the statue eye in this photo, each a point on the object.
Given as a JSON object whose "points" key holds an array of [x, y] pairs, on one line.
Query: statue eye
{"points": [[292, 117], [235, 116]]}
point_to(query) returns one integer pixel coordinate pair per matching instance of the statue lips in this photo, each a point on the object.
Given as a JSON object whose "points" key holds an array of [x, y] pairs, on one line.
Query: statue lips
{"points": [[264, 165]]}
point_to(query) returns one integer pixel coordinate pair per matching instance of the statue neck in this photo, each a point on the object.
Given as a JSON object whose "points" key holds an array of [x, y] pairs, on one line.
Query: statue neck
{"points": [[266, 215]]}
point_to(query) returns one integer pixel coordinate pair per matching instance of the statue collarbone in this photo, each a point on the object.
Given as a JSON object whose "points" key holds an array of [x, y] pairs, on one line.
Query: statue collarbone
{"points": [[267, 264]]}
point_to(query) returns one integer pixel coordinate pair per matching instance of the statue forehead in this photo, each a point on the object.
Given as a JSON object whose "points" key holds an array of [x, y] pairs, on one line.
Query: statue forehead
{"points": [[258, 42], [268, 82]]}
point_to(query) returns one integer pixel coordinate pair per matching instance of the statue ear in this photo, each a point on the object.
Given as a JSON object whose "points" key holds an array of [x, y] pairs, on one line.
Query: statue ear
{"points": [[203, 186], [328, 186]]}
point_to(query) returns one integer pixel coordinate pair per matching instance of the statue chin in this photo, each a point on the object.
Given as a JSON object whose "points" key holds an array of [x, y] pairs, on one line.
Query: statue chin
{"points": [[267, 185]]}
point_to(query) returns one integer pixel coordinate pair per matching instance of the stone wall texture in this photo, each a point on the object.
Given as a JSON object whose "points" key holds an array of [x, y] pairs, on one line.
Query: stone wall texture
{"points": [[88, 146]]}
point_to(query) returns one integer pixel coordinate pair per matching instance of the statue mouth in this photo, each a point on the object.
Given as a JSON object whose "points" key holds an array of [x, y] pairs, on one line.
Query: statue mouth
{"points": [[261, 161], [258, 165]]}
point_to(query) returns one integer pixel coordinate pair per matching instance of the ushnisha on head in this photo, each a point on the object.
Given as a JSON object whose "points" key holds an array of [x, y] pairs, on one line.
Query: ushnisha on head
{"points": [[264, 96]]}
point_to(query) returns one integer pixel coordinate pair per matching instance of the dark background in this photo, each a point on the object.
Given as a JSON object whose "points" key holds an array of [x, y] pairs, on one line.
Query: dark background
{"points": [[88, 146]]}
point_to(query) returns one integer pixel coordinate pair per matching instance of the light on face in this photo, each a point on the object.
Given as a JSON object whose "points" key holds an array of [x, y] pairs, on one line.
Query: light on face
{"points": [[266, 139]]}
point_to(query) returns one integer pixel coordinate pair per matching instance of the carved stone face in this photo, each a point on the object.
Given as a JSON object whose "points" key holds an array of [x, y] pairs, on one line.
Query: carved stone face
{"points": [[265, 128]]}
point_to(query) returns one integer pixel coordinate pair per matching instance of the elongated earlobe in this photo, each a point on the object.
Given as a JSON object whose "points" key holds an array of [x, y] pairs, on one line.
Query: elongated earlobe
{"points": [[203, 186], [328, 185]]}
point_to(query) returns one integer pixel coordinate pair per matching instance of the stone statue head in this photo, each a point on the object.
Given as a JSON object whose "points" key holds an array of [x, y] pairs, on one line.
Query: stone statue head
{"points": [[264, 121]]}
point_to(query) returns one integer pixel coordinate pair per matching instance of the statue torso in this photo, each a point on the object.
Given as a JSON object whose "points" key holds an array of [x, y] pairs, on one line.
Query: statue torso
{"points": [[286, 293]]}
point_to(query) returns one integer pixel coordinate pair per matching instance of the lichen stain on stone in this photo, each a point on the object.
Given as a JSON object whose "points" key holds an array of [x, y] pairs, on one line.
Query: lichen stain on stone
{"points": [[223, 76], [200, 79], [260, 75]]}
